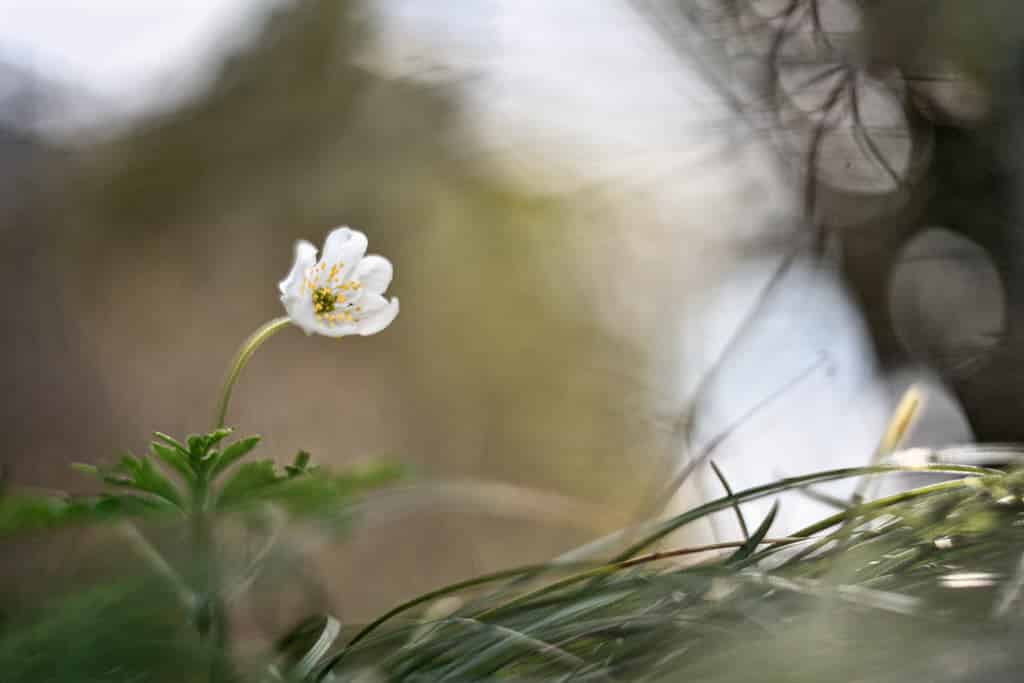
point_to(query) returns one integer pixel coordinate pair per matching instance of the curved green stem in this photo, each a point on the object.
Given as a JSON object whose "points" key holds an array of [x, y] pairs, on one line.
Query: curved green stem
{"points": [[245, 352], [145, 549]]}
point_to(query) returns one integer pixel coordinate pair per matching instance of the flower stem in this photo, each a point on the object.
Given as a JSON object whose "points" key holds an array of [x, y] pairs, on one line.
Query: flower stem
{"points": [[145, 549], [245, 352], [210, 615]]}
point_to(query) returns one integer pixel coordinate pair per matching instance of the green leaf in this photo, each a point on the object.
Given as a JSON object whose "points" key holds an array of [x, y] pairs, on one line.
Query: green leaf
{"points": [[306, 644], [21, 512], [216, 436], [248, 479], [108, 507], [123, 630], [24, 512], [197, 444], [750, 545], [233, 454], [662, 528], [319, 493], [736, 506], [139, 473], [312, 492], [200, 445], [175, 460], [85, 468], [172, 442], [300, 465]]}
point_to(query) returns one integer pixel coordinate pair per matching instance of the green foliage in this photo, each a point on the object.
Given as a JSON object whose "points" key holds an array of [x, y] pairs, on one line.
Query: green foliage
{"points": [[26, 512], [233, 454], [870, 599], [303, 492], [249, 480], [865, 595], [129, 631], [751, 544], [199, 464], [175, 460], [304, 646], [139, 474]]}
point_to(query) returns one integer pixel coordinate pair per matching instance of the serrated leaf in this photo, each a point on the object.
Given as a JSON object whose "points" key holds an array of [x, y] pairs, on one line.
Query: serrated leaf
{"points": [[172, 442], [217, 435], [174, 460], [249, 479], [300, 464], [110, 506], [233, 454], [23, 513], [196, 449], [320, 493], [139, 473], [313, 492]]}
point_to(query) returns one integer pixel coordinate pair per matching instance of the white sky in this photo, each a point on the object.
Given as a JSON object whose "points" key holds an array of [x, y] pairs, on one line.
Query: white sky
{"points": [[125, 53]]}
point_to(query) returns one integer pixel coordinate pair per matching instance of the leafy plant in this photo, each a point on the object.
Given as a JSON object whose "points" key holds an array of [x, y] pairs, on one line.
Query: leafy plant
{"points": [[206, 477]]}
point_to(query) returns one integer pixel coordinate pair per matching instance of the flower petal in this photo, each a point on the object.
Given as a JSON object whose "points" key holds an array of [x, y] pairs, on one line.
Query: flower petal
{"points": [[369, 303], [374, 273], [342, 261], [375, 318], [305, 258], [300, 310], [337, 329], [346, 247]]}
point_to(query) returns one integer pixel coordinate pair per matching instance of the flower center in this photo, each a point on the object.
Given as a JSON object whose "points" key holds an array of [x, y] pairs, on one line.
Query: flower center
{"points": [[324, 300], [333, 301]]}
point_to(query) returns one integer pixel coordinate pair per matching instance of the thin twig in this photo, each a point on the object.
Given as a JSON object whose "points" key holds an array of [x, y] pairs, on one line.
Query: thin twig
{"points": [[278, 521], [861, 134], [695, 550], [736, 506], [1010, 592], [544, 648], [895, 431], [151, 555], [713, 444]]}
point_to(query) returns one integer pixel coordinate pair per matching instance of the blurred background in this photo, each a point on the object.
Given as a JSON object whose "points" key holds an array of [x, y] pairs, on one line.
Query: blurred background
{"points": [[624, 234]]}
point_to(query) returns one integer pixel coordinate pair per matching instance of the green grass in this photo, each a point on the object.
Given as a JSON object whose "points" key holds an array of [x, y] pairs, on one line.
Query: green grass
{"points": [[922, 585], [918, 586]]}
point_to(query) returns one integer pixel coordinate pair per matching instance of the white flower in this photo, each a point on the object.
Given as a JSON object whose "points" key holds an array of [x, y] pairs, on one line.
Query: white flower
{"points": [[341, 294]]}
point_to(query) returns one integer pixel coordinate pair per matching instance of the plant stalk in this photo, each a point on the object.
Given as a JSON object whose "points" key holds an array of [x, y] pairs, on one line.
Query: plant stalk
{"points": [[245, 351], [210, 614]]}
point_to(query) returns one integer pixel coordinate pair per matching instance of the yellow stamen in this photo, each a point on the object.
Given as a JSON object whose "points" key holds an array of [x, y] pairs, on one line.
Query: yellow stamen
{"points": [[323, 300]]}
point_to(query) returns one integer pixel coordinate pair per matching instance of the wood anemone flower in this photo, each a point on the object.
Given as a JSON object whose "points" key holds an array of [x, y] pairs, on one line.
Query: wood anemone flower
{"points": [[343, 292]]}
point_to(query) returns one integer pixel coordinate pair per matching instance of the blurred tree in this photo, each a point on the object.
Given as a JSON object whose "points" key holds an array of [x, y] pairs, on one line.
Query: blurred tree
{"points": [[904, 119]]}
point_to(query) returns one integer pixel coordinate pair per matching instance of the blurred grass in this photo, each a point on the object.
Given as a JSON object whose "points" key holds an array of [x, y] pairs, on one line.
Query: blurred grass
{"points": [[924, 585], [128, 630]]}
